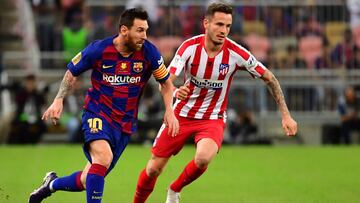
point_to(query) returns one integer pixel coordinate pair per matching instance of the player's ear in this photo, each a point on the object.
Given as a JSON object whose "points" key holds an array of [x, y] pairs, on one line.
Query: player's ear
{"points": [[206, 22], [123, 30]]}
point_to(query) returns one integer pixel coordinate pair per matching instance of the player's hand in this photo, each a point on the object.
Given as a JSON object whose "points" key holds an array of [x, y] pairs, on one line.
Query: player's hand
{"points": [[171, 122], [54, 111], [183, 92], [289, 125]]}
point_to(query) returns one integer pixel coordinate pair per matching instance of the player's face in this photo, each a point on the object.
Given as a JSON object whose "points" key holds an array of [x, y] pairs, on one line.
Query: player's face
{"points": [[217, 27], [136, 35]]}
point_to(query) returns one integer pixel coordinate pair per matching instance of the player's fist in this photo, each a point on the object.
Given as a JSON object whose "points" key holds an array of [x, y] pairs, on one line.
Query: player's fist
{"points": [[54, 111], [182, 93], [289, 125]]}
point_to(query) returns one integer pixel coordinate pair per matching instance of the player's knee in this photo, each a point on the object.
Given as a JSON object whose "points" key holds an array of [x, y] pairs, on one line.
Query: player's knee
{"points": [[104, 160], [153, 171], [202, 162]]}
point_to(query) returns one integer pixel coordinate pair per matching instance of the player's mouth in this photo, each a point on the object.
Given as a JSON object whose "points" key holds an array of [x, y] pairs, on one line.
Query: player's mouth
{"points": [[221, 37]]}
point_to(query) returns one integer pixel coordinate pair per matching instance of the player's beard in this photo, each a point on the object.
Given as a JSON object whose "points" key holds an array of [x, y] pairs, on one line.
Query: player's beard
{"points": [[133, 46], [214, 39], [217, 42]]}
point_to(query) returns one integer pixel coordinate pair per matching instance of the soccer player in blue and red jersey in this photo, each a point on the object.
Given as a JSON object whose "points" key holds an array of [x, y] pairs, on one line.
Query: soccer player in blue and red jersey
{"points": [[121, 66]]}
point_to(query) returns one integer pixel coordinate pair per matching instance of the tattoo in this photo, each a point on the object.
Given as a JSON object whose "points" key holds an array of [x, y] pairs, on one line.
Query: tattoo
{"points": [[66, 85], [278, 95]]}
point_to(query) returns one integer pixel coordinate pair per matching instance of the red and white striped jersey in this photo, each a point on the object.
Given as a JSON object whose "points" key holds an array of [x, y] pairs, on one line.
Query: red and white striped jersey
{"points": [[209, 79]]}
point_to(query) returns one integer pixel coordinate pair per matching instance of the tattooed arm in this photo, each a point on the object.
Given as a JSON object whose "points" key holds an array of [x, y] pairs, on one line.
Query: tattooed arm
{"points": [[288, 123], [66, 85], [55, 109]]}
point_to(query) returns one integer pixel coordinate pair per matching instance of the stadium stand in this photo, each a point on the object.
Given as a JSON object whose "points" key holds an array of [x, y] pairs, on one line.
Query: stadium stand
{"points": [[311, 92]]}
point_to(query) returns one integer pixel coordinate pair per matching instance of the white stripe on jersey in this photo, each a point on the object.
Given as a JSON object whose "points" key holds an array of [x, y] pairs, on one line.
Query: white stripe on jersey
{"points": [[210, 94], [237, 57]]}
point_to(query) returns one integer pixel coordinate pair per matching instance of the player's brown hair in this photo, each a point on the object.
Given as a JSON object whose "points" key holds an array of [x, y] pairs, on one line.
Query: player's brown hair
{"points": [[129, 15], [218, 7]]}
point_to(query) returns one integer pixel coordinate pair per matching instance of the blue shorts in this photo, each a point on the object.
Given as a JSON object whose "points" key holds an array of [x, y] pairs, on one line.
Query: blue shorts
{"points": [[96, 128]]}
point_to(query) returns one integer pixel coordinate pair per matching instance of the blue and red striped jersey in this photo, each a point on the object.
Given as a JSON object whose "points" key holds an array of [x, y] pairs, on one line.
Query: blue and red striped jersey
{"points": [[117, 81]]}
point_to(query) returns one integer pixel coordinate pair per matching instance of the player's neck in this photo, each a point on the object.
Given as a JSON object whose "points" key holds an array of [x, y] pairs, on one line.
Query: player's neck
{"points": [[121, 47], [211, 48]]}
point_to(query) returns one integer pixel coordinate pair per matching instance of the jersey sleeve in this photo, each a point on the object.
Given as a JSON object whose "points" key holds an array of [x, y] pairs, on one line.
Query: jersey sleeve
{"points": [[247, 61], [178, 62], [158, 68], [83, 61]]}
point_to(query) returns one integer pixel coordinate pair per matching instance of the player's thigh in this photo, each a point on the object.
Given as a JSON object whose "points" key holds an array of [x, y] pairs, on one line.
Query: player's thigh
{"points": [[206, 150], [100, 152], [208, 140], [165, 145]]}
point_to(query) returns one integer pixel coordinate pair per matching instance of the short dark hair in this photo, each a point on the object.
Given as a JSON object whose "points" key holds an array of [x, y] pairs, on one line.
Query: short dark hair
{"points": [[128, 16], [218, 7]]}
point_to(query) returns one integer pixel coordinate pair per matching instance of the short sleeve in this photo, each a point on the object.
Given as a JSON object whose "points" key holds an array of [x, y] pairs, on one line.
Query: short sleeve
{"points": [[83, 61], [156, 61], [254, 67], [245, 60], [181, 56]]}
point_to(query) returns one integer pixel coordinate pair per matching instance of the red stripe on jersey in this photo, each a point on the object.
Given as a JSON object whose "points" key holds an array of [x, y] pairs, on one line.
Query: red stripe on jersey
{"points": [[110, 53], [224, 104], [242, 52], [87, 100], [188, 43], [121, 92], [203, 92], [183, 102], [193, 70], [260, 70], [172, 70], [131, 104], [106, 100], [106, 117], [138, 55], [126, 127], [96, 85], [215, 98]]}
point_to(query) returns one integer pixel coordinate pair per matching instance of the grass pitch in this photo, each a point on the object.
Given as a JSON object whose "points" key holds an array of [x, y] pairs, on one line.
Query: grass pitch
{"points": [[237, 175]]}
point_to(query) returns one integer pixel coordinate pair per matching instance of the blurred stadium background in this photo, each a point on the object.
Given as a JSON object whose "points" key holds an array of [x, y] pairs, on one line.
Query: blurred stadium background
{"points": [[302, 42], [312, 46]]}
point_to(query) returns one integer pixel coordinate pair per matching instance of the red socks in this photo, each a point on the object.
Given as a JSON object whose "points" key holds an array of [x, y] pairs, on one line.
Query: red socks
{"points": [[189, 174], [144, 187]]}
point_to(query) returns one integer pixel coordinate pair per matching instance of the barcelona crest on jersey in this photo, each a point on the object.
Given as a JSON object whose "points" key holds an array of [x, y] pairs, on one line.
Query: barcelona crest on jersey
{"points": [[138, 67]]}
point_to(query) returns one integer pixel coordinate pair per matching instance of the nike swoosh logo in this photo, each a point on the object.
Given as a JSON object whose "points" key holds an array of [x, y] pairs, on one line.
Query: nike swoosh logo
{"points": [[105, 66], [97, 192]]}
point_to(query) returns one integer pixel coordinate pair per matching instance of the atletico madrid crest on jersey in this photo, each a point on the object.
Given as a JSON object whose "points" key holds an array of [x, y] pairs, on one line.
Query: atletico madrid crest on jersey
{"points": [[223, 68]]}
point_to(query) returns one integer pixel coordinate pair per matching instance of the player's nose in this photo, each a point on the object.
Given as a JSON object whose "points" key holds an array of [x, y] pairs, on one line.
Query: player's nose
{"points": [[144, 36]]}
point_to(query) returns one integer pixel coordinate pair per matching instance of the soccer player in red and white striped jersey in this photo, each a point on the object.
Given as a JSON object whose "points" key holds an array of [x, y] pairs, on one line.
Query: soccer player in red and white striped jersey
{"points": [[209, 62]]}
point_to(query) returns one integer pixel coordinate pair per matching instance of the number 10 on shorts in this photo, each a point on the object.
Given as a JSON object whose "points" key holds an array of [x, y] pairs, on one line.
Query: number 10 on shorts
{"points": [[95, 124]]}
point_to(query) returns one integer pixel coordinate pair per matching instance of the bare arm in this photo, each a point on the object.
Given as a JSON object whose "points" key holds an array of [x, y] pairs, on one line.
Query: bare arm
{"points": [[288, 123], [275, 90], [66, 85], [166, 89], [55, 109]]}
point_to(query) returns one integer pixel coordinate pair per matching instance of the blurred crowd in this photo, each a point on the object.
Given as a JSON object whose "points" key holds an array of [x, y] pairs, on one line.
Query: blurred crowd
{"points": [[282, 37]]}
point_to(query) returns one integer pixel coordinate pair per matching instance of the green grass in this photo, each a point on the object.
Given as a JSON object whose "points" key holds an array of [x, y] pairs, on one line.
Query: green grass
{"points": [[236, 175]]}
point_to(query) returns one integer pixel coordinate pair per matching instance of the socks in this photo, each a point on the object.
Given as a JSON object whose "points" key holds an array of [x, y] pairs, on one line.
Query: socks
{"points": [[68, 183], [95, 183], [189, 174], [144, 187]]}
